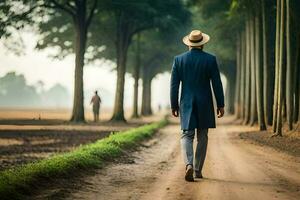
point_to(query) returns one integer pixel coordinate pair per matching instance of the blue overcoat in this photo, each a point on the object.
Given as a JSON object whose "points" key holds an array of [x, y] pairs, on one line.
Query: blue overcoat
{"points": [[196, 70]]}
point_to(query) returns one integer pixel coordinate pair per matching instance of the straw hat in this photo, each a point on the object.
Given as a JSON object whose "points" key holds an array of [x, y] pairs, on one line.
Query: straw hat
{"points": [[195, 38]]}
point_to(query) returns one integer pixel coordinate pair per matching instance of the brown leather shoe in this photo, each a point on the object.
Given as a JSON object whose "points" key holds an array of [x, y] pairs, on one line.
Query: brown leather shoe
{"points": [[189, 173]]}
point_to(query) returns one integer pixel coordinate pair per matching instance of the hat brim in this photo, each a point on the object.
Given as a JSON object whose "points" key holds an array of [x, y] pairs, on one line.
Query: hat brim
{"points": [[187, 42]]}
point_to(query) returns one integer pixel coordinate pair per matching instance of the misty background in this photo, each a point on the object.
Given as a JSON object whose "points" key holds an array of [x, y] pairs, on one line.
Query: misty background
{"points": [[34, 79]]}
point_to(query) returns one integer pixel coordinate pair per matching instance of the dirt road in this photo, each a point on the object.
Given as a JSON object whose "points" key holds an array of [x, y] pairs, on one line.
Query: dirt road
{"points": [[234, 169]]}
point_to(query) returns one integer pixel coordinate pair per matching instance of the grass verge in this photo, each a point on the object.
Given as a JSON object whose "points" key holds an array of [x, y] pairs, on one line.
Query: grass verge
{"points": [[19, 181]]}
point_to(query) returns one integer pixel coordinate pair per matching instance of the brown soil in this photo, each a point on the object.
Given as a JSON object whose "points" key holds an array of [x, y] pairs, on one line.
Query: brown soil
{"points": [[30, 145], [289, 142], [49, 114], [23, 140], [52, 115], [234, 169]]}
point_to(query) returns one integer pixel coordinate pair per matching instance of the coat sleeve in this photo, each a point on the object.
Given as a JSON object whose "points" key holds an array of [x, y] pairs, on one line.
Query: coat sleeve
{"points": [[217, 83], [174, 86]]}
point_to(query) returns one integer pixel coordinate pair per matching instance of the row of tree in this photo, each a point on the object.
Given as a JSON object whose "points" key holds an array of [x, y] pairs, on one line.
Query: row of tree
{"points": [[94, 29], [262, 79], [258, 45], [268, 63]]}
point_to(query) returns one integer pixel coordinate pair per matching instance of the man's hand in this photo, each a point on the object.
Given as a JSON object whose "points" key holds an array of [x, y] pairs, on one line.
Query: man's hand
{"points": [[175, 112], [220, 112]]}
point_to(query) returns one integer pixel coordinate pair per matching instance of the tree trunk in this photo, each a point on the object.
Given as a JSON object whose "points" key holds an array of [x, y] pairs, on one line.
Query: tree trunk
{"points": [[281, 70], [247, 74], [242, 77], [238, 79], [284, 101], [122, 45], [259, 72], [253, 111], [277, 46], [80, 45], [136, 75], [230, 90], [298, 90], [297, 79], [146, 94], [289, 71]]}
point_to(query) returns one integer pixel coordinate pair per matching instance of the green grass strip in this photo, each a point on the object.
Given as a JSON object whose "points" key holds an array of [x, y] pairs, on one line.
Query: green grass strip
{"points": [[20, 180]]}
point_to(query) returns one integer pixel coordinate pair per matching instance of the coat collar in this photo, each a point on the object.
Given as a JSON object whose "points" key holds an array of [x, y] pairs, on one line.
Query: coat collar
{"points": [[196, 49]]}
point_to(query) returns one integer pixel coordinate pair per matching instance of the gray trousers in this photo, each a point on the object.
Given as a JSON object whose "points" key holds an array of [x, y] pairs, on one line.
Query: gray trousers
{"points": [[187, 139]]}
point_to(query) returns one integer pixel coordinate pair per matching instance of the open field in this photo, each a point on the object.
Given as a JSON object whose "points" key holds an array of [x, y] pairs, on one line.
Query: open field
{"points": [[24, 180], [51, 114], [24, 138]]}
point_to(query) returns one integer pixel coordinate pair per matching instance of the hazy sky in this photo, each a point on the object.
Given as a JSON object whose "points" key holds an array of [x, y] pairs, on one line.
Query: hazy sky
{"points": [[37, 65]]}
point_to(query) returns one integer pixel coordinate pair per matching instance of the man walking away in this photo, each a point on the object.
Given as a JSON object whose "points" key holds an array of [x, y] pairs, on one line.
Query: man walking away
{"points": [[196, 70], [96, 100]]}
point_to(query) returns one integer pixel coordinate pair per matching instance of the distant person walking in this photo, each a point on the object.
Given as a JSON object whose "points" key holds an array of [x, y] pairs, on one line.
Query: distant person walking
{"points": [[196, 70], [96, 101]]}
